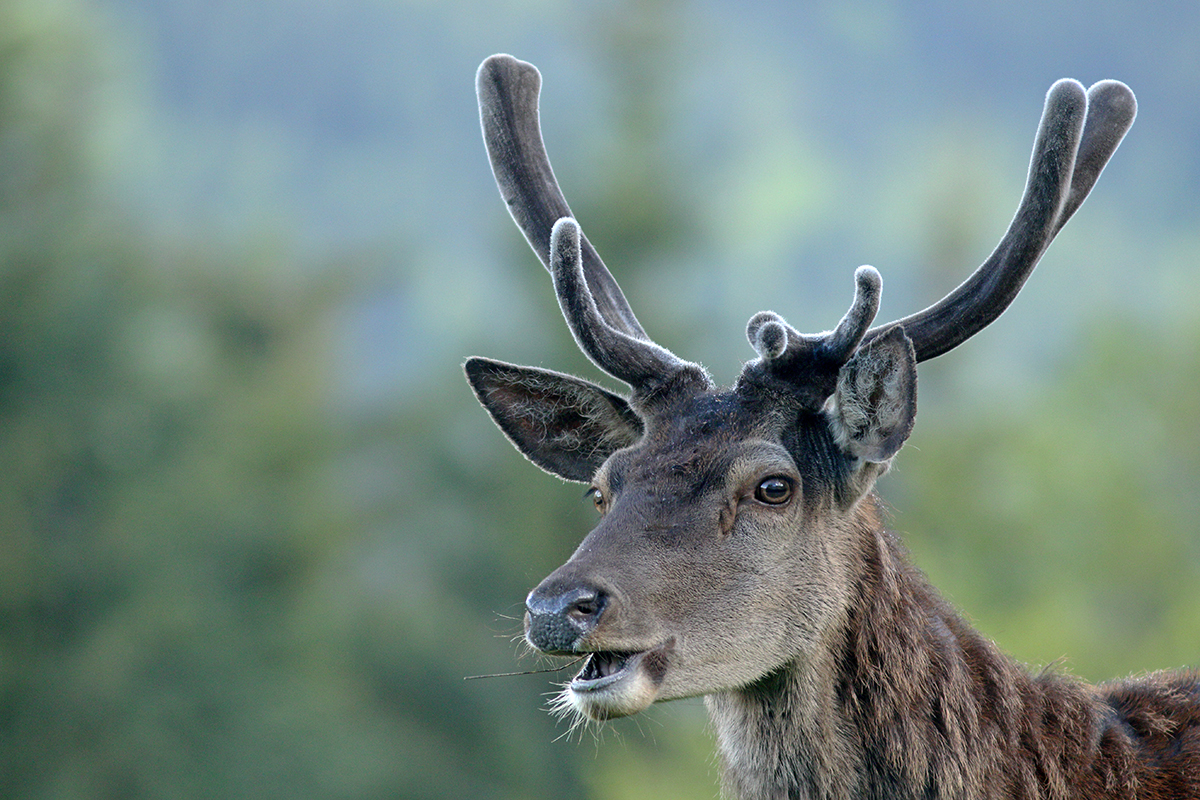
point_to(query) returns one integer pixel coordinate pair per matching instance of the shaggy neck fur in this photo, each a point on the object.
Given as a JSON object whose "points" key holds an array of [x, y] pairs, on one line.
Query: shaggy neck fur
{"points": [[910, 702]]}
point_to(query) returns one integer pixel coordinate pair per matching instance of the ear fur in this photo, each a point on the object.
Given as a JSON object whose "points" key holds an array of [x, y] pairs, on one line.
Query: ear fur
{"points": [[875, 403], [565, 425]]}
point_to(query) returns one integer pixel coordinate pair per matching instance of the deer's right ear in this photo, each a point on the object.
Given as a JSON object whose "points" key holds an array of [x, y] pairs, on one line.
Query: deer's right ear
{"points": [[565, 425]]}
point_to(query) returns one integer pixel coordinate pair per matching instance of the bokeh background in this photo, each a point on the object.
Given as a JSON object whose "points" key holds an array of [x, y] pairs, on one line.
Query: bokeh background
{"points": [[254, 531]]}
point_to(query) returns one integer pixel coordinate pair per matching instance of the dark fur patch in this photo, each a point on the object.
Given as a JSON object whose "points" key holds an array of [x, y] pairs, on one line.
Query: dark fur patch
{"points": [[824, 468], [657, 662]]}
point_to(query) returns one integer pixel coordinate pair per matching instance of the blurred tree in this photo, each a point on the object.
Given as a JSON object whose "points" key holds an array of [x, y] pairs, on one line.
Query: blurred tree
{"points": [[166, 517]]}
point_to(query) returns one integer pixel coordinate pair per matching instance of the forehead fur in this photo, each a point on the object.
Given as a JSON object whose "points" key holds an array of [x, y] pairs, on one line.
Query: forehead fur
{"points": [[700, 436]]}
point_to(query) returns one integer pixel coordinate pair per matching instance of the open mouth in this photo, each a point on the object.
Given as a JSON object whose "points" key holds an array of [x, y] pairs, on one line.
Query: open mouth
{"points": [[615, 683], [603, 669]]}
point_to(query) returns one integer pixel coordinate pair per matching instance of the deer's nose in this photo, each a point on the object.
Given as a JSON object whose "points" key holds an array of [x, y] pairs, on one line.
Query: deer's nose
{"points": [[557, 616]]}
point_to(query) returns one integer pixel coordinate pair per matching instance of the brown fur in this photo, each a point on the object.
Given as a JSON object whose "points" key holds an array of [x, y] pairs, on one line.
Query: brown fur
{"points": [[913, 702]]}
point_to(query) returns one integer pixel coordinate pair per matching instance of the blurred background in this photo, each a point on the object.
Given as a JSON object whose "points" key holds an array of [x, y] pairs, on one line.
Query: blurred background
{"points": [[255, 531]]}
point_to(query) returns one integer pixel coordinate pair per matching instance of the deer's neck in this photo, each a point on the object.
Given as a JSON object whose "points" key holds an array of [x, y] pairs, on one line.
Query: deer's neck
{"points": [[908, 702]]}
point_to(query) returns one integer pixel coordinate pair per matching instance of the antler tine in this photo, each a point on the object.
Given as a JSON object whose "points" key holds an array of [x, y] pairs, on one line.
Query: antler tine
{"points": [[842, 342], [778, 344], [1078, 133], [641, 363], [769, 335], [508, 110], [1111, 111]]}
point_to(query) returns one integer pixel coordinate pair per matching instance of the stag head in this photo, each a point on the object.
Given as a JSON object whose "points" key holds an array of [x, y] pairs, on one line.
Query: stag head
{"points": [[731, 519]]}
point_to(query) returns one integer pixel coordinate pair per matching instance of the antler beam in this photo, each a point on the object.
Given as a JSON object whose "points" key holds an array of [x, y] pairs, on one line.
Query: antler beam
{"points": [[594, 305], [508, 109], [1079, 132]]}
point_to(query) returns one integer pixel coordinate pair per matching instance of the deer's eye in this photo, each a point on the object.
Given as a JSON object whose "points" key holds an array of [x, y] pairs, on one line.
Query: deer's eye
{"points": [[774, 491], [597, 498]]}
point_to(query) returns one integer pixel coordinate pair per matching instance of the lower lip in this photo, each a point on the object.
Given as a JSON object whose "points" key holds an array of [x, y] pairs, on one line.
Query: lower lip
{"points": [[584, 685]]}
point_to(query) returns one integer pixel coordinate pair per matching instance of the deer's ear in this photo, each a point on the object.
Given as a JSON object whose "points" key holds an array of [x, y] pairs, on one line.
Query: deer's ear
{"points": [[565, 425], [873, 408]]}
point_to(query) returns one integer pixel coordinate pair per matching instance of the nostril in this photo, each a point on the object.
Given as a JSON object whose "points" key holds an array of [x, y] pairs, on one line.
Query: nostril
{"points": [[586, 608], [559, 616]]}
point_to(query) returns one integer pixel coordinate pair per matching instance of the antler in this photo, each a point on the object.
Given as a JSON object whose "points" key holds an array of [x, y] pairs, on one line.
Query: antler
{"points": [[775, 340], [639, 362], [1079, 132], [594, 306]]}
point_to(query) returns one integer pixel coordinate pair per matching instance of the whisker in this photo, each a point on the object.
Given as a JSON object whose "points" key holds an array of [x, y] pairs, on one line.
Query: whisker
{"points": [[559, 668]]}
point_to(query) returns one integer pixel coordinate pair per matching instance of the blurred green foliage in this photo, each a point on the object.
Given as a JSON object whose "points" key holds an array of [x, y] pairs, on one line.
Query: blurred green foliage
{"points": [[225, 574], [1067, 523], [166, 507]]}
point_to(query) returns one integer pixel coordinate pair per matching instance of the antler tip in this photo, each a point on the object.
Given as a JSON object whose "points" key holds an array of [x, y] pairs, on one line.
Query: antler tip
{"points": [[768, 335], [1066, 92], [1062, 84], [772, 340], [562, 224], [1116, 95], [496, 67], [868, 279], [564, 241], [498, 61]]}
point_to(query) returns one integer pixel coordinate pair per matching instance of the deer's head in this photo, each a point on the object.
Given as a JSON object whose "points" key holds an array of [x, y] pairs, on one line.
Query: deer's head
{"points": [[730, 518]]}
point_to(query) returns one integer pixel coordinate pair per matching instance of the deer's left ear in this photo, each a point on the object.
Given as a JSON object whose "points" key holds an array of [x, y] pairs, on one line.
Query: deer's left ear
{"points": [[565, 425], [873, 408]]}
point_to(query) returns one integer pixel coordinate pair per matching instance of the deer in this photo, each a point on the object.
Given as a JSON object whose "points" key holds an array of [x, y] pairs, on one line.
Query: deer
{"points": [[740, 552]]}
